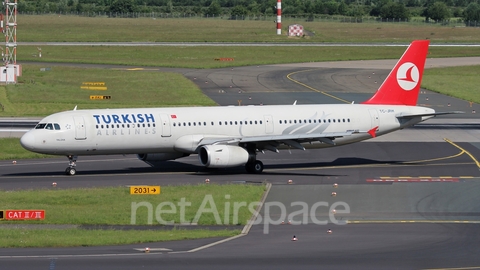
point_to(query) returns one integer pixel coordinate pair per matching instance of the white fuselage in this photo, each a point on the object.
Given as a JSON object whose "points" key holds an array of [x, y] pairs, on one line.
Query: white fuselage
{"points": [[182, 130]]}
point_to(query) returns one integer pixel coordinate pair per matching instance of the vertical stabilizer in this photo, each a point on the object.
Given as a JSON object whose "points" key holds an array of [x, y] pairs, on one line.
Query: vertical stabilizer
{"points": [[402, 85]]}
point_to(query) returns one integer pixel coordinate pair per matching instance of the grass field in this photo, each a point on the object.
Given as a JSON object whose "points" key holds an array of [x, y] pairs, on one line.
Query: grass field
{"points": [[23, 238], [114, 206], [204, 56], [95, 29], [40, 93], [460, 82]]}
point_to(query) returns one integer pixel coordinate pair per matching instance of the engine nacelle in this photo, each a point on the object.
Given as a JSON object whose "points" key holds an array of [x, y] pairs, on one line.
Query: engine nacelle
{"points": [[222, 156], [160, 156]]}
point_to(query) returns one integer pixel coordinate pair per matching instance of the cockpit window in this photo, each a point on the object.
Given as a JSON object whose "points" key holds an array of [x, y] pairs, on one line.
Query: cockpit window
{"points": [[40, 126], [49, 126], [57, 126]]}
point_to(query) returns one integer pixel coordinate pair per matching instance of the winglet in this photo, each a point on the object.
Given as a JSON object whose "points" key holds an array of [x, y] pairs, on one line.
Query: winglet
{"points": [[372, 132], [402, 85]]}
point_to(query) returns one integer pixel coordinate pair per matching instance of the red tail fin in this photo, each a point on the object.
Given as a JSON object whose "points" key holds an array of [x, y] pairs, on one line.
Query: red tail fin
{"points": [[402, 85]]}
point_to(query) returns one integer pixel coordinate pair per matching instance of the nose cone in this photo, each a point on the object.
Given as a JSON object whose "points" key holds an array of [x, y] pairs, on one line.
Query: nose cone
{"points": [[28, 141]]}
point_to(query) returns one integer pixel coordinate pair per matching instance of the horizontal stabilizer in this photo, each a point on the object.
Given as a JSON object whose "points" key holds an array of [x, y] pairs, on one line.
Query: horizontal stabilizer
{"points": [[405, 115]]}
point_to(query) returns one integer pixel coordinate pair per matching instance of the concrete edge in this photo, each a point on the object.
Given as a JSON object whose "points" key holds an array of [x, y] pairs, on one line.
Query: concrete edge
{"points": [[245, 230]]}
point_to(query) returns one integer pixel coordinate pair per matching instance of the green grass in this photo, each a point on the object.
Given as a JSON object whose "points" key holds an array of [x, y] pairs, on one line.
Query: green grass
{"points": [[39, 28], [39, 93], [10, 149], [203, 56], [113, 206], [23, 238], [460, 82]]}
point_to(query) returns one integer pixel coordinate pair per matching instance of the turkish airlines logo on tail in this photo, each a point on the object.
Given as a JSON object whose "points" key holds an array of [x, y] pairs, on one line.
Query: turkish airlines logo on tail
{"points": [[408, 76]]}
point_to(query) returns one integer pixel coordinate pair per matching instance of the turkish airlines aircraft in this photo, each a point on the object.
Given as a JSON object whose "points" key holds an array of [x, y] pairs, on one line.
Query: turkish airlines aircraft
{"points": [[232, 136]]}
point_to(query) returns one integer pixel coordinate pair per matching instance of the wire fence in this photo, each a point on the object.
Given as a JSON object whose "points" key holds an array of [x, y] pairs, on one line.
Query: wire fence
{"points": [[456, 22]]}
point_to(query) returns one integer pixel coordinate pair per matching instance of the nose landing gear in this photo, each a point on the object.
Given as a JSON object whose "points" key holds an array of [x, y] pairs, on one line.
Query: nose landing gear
{"points": [[70, 170]]}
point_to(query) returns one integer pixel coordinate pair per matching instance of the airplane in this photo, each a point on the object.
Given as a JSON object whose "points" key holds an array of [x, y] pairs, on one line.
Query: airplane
{"points": [[230, 136]]}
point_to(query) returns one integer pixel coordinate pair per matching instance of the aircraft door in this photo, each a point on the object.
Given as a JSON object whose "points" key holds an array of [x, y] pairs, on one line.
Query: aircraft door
{"points": [[166, 132], [80, 130], [374, 117], [268, 123]]}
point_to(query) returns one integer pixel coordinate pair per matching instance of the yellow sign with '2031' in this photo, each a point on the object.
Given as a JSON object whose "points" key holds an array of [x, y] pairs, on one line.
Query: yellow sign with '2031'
{"points": [[147, 190]]}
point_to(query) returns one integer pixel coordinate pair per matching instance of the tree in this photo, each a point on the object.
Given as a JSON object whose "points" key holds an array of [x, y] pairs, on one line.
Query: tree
{"points": [[214, 9], [394, 11], [437, 12], [342, 8], [122, 6], [471, 14], [238, 12], [331, 7]]}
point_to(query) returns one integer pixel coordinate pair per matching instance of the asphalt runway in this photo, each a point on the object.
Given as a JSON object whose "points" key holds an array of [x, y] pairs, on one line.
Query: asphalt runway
{"points": [[412, 196]]}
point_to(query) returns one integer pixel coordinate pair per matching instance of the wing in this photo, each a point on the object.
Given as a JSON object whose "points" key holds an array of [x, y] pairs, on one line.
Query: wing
{"points": [[272, 142]]}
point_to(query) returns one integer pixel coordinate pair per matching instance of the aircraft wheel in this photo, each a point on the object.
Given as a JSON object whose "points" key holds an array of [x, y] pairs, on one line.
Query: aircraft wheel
{"points": [[258, 167], [70, 171], [254, 167]]}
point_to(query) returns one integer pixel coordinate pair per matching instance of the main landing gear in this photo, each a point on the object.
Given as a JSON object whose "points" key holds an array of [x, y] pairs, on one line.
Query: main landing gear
{"points": [[70, 170], [253, 165]]}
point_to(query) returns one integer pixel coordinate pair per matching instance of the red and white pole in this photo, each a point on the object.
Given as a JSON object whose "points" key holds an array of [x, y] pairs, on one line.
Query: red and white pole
{"points": [[279, 17]]}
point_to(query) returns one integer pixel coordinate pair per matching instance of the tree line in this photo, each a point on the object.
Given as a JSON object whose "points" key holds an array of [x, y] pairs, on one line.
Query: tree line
{"points": [[431, 10]]}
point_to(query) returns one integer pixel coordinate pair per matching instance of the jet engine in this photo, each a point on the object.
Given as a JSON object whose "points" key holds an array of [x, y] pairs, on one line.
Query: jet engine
{"points": [[222, 156]]}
